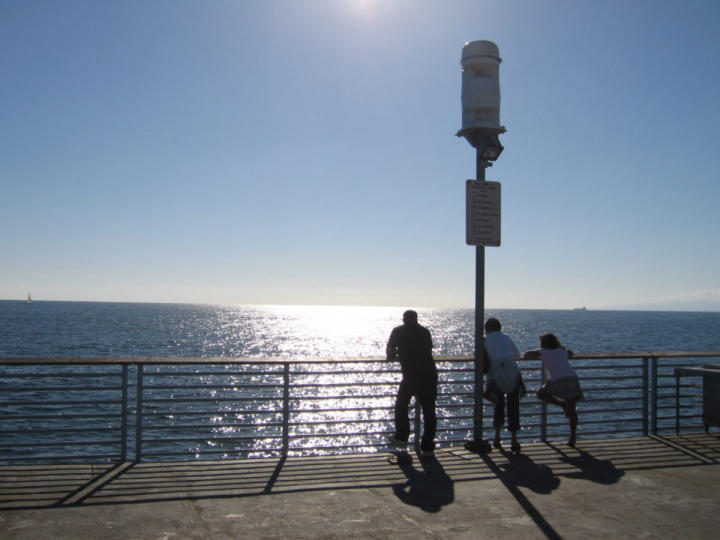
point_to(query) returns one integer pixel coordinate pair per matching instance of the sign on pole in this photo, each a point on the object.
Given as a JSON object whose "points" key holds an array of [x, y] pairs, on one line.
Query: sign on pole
{"points": [[483, 213]]}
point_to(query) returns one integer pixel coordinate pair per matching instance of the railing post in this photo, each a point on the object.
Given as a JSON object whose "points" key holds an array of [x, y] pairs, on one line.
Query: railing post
{"points": [[138, 413], [543, 410], [417, 423], [654, 393], [286, 410], [645, 390], [677, 403], [124, 415]]}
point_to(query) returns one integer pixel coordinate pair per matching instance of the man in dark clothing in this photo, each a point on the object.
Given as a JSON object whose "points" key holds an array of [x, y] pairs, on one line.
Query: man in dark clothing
{"points": [[411, 345]]}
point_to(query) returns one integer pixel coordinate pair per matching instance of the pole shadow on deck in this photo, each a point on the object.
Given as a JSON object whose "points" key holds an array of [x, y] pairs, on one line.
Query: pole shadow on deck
{"points": [[512, 478]]}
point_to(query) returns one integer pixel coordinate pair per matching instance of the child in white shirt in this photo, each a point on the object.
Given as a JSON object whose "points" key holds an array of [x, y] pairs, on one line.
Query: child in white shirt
{"points": [[562, 387]]}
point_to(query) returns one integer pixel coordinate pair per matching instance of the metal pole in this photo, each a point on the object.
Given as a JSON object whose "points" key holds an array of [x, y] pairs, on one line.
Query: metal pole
{"points": [[477, 442], [479, 340], [286, 410], [677, 403], [645, 391], [417, 423], [139, 413], [124, 415], [543, 411], [654, 394]]}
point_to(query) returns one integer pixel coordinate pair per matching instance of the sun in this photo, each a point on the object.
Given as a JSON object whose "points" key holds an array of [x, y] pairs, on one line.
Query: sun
{"points": [[364, 5]]}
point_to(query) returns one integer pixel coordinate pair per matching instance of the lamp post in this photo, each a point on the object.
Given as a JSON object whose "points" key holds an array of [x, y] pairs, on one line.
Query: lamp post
{"points": [[481, 127]]}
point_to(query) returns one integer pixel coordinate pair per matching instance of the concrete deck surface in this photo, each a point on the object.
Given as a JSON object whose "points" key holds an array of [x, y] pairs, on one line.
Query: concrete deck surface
{"points": [[650, 487]]}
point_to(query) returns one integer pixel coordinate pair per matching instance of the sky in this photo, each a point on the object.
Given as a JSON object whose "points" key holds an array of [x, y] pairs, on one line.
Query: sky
{"points": [[304, 152]]}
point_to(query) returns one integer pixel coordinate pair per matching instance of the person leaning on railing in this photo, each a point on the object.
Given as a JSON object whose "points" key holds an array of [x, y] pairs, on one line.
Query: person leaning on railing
{"points": [[411, 345], [505, 383], [563, 386]]}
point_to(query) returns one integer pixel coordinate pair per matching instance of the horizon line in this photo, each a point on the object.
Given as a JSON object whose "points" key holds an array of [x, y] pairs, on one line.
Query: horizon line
{"points": [[232, 304]]}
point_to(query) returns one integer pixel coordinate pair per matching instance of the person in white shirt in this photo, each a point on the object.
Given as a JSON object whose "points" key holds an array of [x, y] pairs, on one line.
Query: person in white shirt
{"points": [[563, 386], [505, 383]]}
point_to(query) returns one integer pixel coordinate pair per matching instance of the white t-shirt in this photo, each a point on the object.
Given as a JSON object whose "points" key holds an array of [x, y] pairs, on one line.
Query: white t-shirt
{"points": [[555, 362], [503, 356]]}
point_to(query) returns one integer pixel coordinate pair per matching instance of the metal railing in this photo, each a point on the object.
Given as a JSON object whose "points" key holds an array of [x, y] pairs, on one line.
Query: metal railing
{"points": [[110, 409], [63, 409]]}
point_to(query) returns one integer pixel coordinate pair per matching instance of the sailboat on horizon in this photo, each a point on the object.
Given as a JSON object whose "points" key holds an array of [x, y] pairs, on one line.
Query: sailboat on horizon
{"points": [[29, 299]]}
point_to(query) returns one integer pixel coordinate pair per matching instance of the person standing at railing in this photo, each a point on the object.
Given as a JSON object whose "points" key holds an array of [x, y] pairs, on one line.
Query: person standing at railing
{"points": [[411, 345], [505, 383], [563, 386]]}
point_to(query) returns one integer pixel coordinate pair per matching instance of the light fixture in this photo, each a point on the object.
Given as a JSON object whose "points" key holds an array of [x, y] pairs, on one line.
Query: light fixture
{"points": [[481, 98], [486, 142]]}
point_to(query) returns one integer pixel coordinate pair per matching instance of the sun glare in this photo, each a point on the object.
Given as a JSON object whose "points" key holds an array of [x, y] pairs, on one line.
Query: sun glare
{"points": [[320, 330], [363, 6]]}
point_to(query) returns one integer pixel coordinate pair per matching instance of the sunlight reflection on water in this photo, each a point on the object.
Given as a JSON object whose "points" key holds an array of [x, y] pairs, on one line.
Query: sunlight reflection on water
{"points": [[322, 331]]}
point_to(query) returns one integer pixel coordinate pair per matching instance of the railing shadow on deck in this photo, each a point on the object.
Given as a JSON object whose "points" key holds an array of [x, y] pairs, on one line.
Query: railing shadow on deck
{"points": [[428, 484]]}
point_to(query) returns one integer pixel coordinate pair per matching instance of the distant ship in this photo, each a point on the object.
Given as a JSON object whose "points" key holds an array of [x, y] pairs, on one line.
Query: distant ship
{"points": [[583, 308], [29, 299]]}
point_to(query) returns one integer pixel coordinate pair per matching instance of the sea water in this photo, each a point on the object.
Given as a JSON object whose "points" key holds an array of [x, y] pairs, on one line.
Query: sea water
{"points": [[91, 329], [94, 329]]}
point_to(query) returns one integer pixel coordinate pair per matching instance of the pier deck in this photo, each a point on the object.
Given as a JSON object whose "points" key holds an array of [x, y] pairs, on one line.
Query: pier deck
{"points": [[653, 487]]}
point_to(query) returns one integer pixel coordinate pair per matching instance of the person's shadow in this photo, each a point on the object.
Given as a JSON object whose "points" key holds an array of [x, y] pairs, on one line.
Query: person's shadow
{"points": [[429, 489], [601, 471], [520, 470]]}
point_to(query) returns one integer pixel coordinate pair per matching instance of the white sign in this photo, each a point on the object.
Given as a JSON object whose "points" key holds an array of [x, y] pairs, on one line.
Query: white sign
{"points": [[483, 213]]}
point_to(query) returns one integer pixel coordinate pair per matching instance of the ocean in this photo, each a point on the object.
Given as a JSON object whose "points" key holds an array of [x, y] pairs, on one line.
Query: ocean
{"points": [[98, 329], [90, 329]]}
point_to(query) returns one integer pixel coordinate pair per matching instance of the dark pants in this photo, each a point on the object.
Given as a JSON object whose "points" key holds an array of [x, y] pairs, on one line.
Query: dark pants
{"points": [[513, 410], [426, 395]]}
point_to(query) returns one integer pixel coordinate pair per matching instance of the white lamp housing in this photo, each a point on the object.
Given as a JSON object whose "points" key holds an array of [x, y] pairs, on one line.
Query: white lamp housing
{"points": [[480, 88]]}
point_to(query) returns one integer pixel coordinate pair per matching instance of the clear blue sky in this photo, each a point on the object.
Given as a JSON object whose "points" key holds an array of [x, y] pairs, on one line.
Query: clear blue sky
{"points": [[300, 152]]}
